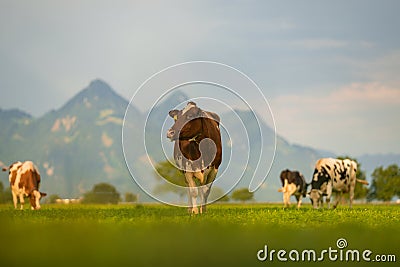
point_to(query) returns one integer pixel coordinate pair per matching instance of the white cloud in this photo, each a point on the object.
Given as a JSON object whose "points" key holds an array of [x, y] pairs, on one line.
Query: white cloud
{"points": [[320, 43], [356, 118]]}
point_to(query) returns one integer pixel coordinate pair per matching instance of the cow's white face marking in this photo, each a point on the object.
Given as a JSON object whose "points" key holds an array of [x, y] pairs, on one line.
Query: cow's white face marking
{"points": [[315, 196], [37, 196]]}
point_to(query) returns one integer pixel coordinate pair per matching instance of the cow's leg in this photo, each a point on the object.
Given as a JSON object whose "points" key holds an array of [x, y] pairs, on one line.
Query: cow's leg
{"points": [[206, 189], [321, 201], [351, 193], [328, 194], [290, 190], [298, 198], [193, 192], [21, 201], [285, 199], [351, 198], [190, 205], [328, 202], [15, 199], [338, 199], [286, 196], [200, 176]]}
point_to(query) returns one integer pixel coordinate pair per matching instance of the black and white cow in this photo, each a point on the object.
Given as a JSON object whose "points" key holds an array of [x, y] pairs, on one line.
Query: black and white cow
{"points": [[24, 180], [333, 175], [293, 183]]}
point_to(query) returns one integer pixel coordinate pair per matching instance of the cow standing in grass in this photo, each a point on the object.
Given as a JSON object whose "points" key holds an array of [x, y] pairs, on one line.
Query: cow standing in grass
{"points": [[197, 150], [24, 181], [333, 175], [293, 183]]}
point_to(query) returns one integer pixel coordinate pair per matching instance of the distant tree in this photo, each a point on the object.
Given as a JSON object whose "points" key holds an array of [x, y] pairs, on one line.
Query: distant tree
{"points": [[5, 194], [385, 183], [242, 195], [166, 170], [102, 193], [170, 173], [130, 197], [217, 192], [2, 193], [360, 191], [52, 199]]}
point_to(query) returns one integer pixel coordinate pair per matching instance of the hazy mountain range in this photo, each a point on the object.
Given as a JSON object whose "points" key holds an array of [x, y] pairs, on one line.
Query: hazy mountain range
{"points": [[79, 145]]}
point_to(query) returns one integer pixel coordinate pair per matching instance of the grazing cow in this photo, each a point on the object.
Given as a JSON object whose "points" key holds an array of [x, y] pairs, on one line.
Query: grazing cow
{"points": [[24, 181], [333, 175], [197, 150], [293, 183]]}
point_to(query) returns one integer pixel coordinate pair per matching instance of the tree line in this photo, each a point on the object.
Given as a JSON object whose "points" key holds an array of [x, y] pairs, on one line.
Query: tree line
{"points": [[101, 193], [385, 185]]}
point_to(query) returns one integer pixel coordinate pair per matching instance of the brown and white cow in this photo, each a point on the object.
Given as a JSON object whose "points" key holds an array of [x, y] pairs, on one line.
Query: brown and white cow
{"points": [[197, 150], [333, 175], [293, 183], [24, 180]]}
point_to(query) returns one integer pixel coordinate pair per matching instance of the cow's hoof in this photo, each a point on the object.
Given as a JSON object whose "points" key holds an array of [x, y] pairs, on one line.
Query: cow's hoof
{"points": [[203, 209], [195, 210]]}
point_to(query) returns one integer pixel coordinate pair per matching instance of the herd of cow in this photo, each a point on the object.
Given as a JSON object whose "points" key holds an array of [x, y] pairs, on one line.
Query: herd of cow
{"points": [[198, 154], [329, 175], [200, 159]]}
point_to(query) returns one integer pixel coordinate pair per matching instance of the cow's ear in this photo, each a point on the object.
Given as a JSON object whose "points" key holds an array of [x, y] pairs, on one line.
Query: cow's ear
{"points": [[43, 194], [174, 114]]}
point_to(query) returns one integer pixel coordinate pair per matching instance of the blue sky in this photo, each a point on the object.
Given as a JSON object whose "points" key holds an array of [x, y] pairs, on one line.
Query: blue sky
{"points": [[329, 69]]}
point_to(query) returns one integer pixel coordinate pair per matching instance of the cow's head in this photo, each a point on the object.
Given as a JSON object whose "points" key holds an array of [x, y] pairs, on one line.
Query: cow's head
{"points": [[34, 199], [315, 197], [187, 122]]}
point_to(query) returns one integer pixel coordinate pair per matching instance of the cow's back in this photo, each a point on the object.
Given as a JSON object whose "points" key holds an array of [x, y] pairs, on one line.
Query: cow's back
{"points": [[336, 171], [294, 177], [28, 177], [323, 172], [190, 156], [13, 171]]}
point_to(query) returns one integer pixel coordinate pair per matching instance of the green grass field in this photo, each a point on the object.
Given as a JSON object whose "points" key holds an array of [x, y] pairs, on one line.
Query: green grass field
{"points": [[159, 235]]}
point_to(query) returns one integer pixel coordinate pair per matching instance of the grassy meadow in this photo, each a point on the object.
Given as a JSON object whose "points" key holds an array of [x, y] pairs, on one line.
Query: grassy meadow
{"points": [[160, 235]]}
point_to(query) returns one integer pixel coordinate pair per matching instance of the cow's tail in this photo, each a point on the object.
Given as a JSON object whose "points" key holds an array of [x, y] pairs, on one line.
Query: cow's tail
{"points": [[305, 189], [362, 181]]}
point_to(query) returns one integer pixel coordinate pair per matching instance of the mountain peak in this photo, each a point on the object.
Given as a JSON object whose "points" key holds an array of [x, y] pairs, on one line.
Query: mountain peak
{"points": [[97, 93], [98, 88], [14, 114]]}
